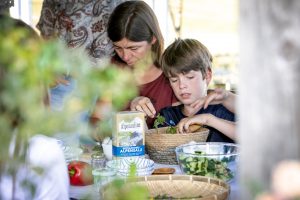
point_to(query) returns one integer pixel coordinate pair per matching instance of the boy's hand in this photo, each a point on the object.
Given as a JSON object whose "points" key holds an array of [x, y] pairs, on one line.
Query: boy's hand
{"points": [[217, 96], [143, 104], [183, 125]]}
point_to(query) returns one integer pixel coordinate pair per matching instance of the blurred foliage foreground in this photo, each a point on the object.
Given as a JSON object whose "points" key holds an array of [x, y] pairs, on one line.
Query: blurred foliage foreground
{"points": [[28, 67]]}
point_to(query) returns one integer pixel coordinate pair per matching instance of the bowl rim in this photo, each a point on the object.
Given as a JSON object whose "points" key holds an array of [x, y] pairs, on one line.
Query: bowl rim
{"points": [[116, 163], [207, 144]]}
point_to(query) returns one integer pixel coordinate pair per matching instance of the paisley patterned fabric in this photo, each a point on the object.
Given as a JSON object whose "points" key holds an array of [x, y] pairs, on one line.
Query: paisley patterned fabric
{"points": [[80, 23]]}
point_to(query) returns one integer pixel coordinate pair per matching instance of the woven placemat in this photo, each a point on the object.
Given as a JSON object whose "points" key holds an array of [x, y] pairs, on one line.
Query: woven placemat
{"points": [[182, 187]]}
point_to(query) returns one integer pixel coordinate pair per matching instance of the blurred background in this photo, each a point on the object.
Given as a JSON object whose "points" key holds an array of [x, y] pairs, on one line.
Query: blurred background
{"points": [[214, 23]]}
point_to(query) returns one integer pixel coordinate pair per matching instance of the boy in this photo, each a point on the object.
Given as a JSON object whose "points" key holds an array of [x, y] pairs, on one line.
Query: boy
{"points": [[187, 63]]}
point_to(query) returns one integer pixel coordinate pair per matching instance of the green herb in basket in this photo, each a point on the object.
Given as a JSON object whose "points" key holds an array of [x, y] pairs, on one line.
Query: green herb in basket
{"points": [[171, 129], [160, 120]]}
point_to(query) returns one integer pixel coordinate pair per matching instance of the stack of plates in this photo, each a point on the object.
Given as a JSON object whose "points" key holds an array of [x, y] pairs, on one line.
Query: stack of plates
{"points": [[144, 166]]}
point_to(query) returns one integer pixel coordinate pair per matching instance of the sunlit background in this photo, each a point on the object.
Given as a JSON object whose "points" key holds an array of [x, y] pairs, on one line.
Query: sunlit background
{"points": [[213, 22]]}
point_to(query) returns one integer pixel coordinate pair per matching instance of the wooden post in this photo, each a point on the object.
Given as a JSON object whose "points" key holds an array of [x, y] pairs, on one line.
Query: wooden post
{"points": [[269, 101]]}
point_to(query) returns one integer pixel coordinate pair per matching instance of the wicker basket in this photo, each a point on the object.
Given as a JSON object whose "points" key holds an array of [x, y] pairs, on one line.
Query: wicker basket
{"points": [[181, 187], [161, 145]]}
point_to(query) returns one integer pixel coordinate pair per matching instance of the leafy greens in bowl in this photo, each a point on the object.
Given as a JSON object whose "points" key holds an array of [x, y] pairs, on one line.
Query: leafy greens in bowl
{"points": [[212, 159]]}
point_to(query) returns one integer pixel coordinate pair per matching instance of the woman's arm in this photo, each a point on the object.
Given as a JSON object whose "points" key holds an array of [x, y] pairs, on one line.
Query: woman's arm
{"points": [[229, 101], [218, 96]]}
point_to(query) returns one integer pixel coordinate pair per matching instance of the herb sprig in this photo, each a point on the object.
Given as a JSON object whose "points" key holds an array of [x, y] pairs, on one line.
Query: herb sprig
{"points": [[160, 120]]}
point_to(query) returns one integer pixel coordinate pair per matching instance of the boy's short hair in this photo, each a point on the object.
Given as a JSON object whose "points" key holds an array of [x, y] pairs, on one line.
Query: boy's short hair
{"points": [[184, 55]]}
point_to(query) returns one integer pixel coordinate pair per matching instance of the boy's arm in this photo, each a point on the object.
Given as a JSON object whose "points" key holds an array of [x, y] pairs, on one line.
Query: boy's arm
{"points": [[224, 126]]}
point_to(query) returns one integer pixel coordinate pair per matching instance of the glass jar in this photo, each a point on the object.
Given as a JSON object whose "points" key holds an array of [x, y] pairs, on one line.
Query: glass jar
{"points": [[102, 177], [98, 160], [101, 174]]}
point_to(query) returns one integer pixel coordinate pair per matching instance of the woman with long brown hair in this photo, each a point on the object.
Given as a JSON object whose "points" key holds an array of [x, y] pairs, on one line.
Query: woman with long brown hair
{"points": [[138, 42]]}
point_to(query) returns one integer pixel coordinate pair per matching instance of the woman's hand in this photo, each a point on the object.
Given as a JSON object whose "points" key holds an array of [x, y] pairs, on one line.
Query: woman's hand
{"points": [[218, 96], [143, 104]]}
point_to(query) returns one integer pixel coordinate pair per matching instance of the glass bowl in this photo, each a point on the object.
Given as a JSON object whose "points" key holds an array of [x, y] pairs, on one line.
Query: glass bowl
{"points": [[211, 159]]}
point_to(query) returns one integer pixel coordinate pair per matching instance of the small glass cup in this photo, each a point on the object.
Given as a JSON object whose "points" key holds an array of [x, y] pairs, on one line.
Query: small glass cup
{"points": [[98, 160], [102, 177], [100, 174]]}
